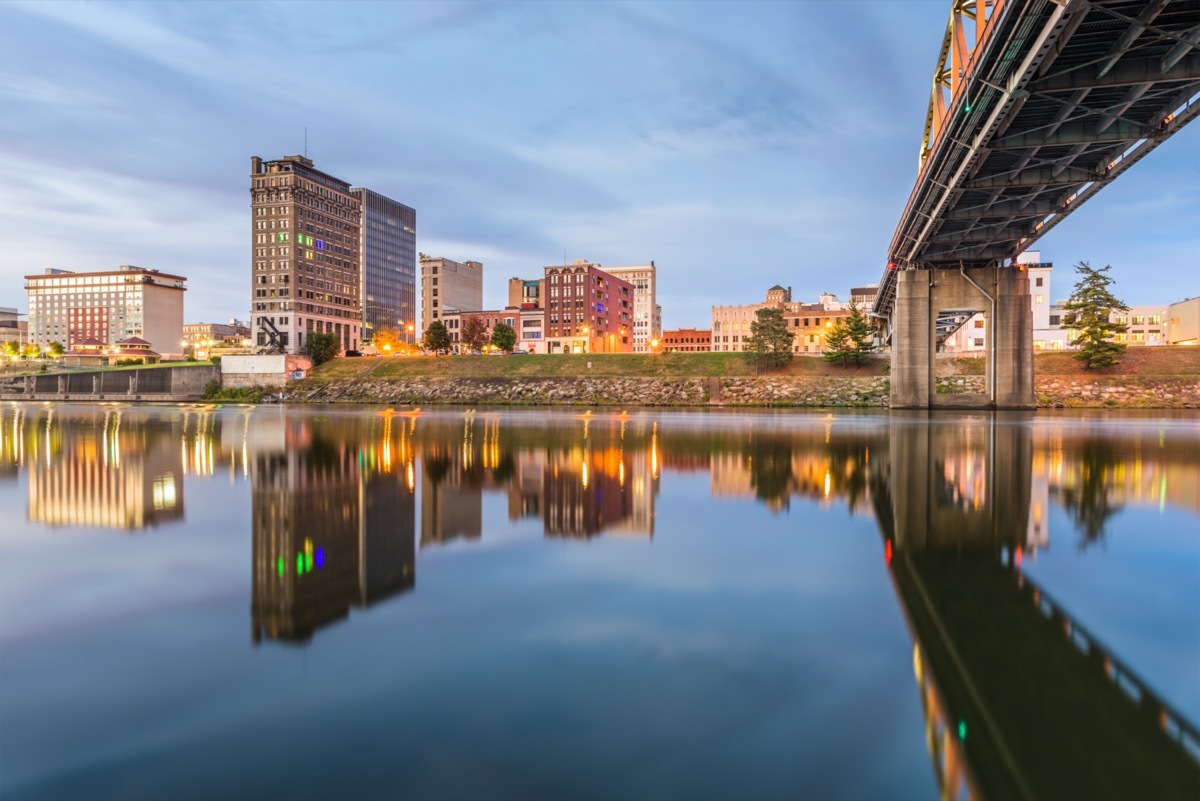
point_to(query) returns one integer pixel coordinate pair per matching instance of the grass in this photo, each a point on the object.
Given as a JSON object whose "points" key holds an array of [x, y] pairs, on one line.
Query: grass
{"points": [[626, 365], [1162, 360]]}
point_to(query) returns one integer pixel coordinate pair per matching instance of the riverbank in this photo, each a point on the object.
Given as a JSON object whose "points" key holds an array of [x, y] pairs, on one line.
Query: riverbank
{"points": [[1161, 377]]}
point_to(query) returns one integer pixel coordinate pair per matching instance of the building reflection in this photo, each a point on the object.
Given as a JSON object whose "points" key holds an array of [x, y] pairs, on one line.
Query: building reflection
{"points": [[332, 525], [1020, 700], [102, 467]]}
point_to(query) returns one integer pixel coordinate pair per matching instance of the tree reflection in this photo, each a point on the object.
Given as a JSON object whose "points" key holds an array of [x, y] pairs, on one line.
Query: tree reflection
{"points": [[771, 469], [1089, 499]]}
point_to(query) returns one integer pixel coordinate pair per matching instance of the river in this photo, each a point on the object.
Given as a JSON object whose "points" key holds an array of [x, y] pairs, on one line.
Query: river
{"points": [[241, 602]]}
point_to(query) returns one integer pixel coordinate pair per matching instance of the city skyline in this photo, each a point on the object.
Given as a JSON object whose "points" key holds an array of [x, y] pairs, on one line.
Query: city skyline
{"points": [[702, 137]]}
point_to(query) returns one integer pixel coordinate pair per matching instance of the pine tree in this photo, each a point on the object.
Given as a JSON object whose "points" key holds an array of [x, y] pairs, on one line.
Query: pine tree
{"points": [[1089, 315], [770, 342], [858, 327], [838, 345]]}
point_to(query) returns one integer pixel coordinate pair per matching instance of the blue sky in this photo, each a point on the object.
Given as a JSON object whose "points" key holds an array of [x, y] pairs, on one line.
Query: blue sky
{"points": [[737, 145]]}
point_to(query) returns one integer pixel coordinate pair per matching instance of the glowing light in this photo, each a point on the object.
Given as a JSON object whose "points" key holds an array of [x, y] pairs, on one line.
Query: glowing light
{"points": [[300, 563], [281, 567], [887, 552], [319, 557], [962, 730]]}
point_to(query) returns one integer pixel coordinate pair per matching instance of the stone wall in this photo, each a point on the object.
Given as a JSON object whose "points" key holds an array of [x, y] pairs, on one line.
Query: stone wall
{"points": [[1052, 391], [1147, 392]]}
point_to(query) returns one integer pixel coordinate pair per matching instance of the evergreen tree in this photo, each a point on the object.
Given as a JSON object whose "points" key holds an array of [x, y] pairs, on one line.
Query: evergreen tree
{"points": [[1089, 315], [858, 327], [838, 345], [474, 333], [504, 337], [437, 338], [770, 342]]}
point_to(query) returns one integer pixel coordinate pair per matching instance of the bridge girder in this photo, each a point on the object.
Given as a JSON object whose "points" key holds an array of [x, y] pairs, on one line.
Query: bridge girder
{"points": [[1045, 104]]}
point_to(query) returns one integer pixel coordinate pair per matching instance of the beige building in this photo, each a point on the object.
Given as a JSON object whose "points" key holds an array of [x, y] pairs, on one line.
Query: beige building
{"points": [[448, 285], [526, 294], [305, 228], [1183, 322], [12, 327], [809, 323], [108, 306], [587, 310], [454, 320], [647, 314]]}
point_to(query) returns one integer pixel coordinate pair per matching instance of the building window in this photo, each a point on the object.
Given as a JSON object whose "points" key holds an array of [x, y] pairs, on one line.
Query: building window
{"points": [[1038, 280]]}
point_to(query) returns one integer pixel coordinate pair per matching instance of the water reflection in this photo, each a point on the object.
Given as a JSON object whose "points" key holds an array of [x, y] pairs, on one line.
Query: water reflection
{"points": [[1019, 698]]}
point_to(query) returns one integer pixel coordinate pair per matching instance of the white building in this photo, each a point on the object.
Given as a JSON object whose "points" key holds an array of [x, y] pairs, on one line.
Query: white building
{"points": [[109, 306]]}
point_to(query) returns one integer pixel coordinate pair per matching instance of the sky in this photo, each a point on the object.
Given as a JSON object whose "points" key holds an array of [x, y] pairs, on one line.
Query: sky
{"points": [[735, 145]]}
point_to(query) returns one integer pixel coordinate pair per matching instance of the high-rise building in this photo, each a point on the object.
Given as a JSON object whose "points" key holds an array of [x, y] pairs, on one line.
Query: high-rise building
{"points": [[647, 314], [107, 306], [388, 245], [306, 262], [448, 285]]}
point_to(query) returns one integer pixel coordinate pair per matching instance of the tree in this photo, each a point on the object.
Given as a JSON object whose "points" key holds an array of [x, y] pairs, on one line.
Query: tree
{"points": [[504, 337], [387, 339], [437, 338], [474, 333], [770, 342], [12, 349], [56, 349], [31, 351], [321, 347], [1089, 314], [849, 340]]}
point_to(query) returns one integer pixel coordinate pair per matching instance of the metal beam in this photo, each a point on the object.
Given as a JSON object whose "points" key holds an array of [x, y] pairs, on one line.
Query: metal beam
{"points": [[1041, 176], [1126, 73], [1078, 133], [1003, 208]]}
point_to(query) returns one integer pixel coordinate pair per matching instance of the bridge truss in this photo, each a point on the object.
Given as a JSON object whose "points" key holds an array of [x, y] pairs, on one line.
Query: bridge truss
{"points": [[1036, 106]]}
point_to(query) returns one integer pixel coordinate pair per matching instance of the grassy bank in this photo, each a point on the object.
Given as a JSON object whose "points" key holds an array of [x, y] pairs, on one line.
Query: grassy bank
{"points": [[623, 365], [1146, 361]]}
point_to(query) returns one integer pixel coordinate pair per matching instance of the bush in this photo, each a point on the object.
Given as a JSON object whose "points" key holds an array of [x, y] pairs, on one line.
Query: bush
{"points": [[214, 391]]}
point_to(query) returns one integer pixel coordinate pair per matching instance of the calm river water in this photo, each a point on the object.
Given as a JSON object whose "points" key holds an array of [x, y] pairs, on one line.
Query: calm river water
{"points": [[237, 602]]}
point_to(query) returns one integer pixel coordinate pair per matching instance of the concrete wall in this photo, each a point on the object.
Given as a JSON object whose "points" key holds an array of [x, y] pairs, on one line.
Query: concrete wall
{"points": [[273, 370], [158, 384]]}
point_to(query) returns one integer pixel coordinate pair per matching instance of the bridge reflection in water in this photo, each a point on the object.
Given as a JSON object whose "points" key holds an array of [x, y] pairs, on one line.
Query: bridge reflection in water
{"points": [[1020, 701]]}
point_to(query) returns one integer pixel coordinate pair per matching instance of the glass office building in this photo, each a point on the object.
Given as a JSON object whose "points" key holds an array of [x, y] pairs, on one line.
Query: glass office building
{"points": [[388, 247]]}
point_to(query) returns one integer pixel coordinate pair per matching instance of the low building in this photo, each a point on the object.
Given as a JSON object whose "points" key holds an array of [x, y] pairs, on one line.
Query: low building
{"points": [[108, 306], [12, 327], [686, 340], [216, 335], [455, 320], [531, 335], [1183, 322]]}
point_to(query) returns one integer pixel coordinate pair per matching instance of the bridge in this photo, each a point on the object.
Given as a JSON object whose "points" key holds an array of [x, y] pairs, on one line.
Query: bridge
{"points": [[1020, 699], [1036, 106]]}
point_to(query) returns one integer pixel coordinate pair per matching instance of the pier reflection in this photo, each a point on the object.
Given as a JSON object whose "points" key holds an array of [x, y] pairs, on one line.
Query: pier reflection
{"points": [[1020, 699]]}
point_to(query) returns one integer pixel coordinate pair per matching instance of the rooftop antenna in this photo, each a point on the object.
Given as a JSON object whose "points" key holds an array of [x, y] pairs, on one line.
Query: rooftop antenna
{"points": [[305, 141]]}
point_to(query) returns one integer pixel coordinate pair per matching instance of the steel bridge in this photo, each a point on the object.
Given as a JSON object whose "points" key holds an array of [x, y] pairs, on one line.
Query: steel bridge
{"points": [[1036, 106]]}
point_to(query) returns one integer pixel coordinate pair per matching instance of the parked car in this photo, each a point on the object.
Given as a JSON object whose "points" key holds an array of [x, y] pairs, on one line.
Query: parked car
{"points": [[354, 353]]}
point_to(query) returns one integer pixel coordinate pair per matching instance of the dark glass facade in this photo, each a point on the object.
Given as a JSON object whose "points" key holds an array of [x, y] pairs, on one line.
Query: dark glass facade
{"points": [[389, 264]]}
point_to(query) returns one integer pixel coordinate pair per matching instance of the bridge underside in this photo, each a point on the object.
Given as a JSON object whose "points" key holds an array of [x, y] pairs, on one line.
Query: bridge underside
{"points": [[922, 299], [1043, 106]]}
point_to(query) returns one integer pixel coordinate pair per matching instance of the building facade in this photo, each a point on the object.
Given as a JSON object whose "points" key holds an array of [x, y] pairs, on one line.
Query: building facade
{"points": [[685, 340], [388, 252], [454, 320], [524, 293], [108, 306], [448, 285], [587, 310], [647, 314], [306, 276], [1183, 322], [215, 335], [12, 327]]}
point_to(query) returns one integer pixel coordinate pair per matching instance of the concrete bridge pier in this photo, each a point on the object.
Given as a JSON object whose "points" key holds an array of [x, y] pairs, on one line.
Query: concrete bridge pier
{"points": [[1001, 294]]}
